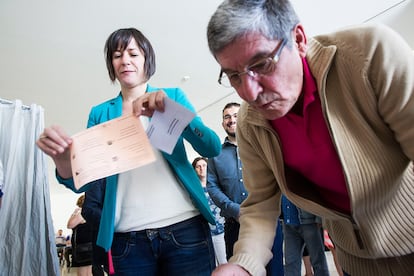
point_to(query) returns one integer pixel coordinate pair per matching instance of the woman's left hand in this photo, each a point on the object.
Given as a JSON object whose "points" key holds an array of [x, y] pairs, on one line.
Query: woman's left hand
{"points": [[148, 103]]}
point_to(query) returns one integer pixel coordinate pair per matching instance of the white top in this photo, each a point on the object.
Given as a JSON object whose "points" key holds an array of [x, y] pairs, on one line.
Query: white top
{"points": [[151, 197]]}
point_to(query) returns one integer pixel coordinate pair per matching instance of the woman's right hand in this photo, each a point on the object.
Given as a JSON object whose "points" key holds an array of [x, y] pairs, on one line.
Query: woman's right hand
{"points": [[56, 143]]}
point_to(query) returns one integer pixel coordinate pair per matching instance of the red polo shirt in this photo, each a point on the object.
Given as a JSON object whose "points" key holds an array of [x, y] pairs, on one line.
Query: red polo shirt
{"points": [[308, 149]]}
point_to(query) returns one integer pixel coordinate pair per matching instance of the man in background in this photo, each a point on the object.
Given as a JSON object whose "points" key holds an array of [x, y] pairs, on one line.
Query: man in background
{"points": [[226, 188], [225, 180], [300, 229], [60, 242]]}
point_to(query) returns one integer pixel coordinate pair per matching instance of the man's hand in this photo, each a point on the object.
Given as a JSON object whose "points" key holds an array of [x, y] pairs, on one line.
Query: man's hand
{"points": [[230, 270]]}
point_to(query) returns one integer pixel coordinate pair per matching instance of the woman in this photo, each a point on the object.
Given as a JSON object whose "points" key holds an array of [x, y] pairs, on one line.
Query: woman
{"points": [[217, 231], [81, 235], [154, 218]]}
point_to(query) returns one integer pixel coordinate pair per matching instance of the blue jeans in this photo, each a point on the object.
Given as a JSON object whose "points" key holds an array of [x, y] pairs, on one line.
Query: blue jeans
{"points": [[184, 248], [231, 235], [296, 236]]}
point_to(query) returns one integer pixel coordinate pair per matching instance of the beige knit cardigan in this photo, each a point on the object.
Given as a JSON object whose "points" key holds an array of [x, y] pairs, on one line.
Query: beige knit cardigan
{"points": [[365, 78]]}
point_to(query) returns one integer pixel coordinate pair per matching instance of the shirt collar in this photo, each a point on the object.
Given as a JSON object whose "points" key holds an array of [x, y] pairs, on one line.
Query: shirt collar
{"points": [[309, 87], [227, 142]]}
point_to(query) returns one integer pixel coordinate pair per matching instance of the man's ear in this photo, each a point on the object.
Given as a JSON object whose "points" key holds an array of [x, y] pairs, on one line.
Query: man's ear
{"points": [[300, 40]]}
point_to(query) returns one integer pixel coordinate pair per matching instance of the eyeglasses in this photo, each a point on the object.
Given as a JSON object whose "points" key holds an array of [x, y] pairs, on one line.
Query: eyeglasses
{"points": [[261, 67]]}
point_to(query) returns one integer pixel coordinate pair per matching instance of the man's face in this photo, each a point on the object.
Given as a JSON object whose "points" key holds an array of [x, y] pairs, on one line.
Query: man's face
{"points": [[275, 93], [230, 120]]}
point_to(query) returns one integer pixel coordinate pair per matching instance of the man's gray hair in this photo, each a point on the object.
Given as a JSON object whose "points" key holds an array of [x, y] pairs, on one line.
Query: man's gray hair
{"points": [[274, 19]]}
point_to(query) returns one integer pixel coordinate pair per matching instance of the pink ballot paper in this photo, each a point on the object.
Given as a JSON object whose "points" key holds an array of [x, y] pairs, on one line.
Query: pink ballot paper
{"points": [[109, 148]]}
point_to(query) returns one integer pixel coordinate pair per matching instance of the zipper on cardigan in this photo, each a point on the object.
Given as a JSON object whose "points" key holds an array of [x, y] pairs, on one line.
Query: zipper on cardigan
{"points": [[357, 234]]}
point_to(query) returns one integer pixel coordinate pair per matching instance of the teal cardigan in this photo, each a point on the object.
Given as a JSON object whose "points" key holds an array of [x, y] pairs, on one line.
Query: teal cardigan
{"points": [[204, 140]]}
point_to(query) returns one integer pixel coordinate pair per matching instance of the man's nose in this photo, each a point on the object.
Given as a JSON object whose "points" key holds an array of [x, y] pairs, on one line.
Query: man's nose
{"points": [[248, 89]]}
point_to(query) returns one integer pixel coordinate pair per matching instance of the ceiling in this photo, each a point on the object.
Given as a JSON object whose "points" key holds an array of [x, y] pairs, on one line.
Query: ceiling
{"points": [[52, 51]]}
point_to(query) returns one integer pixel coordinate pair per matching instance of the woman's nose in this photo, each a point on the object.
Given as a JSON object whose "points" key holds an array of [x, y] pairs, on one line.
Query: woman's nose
{"points": [[125, 59]]}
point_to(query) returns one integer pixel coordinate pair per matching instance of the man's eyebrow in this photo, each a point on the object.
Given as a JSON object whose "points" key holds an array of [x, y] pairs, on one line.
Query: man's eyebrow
{"points": [[259, 55]]}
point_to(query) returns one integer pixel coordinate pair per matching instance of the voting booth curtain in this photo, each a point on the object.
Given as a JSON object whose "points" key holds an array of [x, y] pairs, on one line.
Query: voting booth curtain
{"points": [[27, 244]]}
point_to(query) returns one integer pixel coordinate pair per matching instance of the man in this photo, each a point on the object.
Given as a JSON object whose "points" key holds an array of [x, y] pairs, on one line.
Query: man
{"points": [[328, 121], [225, 187], [60, 242], [302, 228], [224, 178]]}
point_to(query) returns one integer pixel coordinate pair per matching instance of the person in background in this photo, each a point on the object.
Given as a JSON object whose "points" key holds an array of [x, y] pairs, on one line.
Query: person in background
{"points": [[225, 187], [306, 262], [68, 251], [327, 121], [60, 242], [217, 231], [301, 229], [161, 203], [81, 234], [60, 239], [92, 212], [331, 247], [225, 180]]}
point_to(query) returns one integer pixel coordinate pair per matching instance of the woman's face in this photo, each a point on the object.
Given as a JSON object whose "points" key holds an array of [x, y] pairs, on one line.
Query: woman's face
{"points": [[129, 65], [201, 168]]}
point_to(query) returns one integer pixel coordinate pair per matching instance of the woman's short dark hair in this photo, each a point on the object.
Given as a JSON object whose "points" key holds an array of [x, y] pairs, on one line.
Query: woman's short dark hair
{"points": [[119, 40]]}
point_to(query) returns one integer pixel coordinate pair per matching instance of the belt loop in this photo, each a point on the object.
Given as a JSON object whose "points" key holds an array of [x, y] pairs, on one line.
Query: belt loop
{"points": [[133, 237]]}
